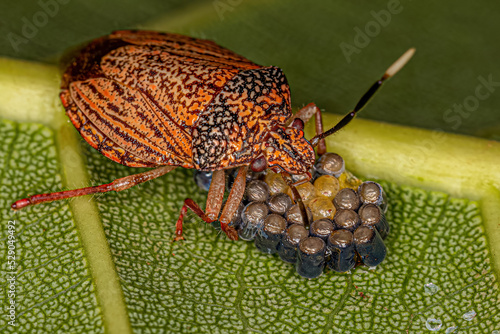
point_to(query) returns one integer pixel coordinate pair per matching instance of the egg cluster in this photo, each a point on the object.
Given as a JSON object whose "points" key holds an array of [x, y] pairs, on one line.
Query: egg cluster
{"points": [[345, 223]]}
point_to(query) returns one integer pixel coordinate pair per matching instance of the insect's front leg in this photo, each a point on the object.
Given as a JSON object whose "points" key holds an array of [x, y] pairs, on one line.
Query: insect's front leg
{"points": [[305, 114], [233, 201]]}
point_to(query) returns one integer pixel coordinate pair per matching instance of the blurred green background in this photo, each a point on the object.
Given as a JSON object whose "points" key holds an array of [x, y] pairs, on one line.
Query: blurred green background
{"points": [[330, 51]]}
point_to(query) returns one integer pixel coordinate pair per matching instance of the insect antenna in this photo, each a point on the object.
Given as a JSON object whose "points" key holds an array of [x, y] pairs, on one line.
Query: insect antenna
{"points": [[393, 69]]}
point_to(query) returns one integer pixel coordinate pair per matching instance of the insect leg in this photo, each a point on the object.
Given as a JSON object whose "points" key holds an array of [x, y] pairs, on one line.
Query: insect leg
{"points": [[117, 185], [214, 203], [305, 114], [232, 203], [296, 196], [215, 195]]}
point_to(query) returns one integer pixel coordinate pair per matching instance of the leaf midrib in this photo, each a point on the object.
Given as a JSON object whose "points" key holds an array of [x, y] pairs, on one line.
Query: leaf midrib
{"points": [[95, 245]]}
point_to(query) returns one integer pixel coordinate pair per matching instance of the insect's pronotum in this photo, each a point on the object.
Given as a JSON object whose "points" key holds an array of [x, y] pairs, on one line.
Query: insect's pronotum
{"points": [[149, 99]]}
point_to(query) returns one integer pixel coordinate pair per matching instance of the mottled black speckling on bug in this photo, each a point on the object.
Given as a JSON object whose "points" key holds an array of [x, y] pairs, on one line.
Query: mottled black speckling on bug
{"points": [[131, 96]]}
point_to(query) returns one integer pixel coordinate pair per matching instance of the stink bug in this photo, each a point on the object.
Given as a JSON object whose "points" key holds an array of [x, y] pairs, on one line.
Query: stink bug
{"points": [[149, 99]]}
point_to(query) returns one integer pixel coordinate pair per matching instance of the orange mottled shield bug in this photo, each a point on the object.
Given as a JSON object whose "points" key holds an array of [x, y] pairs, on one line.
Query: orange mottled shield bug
{"points": [[150, 99]]}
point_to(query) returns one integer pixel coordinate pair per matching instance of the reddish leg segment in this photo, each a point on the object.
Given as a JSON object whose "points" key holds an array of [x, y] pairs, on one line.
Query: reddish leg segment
{"points": [[215, 195], [117, 185], [214, 203], [233, 201], [305, 114], [188, 203]]}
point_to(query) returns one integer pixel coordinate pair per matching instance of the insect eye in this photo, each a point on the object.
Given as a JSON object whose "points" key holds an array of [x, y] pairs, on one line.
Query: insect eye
{"points": [[298, 124], [259, 164]]}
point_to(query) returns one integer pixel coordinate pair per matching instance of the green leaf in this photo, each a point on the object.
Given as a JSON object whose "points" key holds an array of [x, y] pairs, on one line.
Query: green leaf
{"points": [[107, 263]]}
